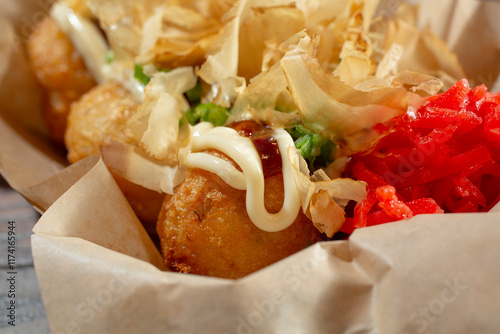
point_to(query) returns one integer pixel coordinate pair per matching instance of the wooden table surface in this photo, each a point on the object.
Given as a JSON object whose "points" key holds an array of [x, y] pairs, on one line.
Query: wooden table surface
{"points": [[30, 312]]}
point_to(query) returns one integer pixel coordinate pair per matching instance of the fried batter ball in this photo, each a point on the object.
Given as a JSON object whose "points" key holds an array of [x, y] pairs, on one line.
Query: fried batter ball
{"points": [[60, 71], [205, 229], [99, 118]]}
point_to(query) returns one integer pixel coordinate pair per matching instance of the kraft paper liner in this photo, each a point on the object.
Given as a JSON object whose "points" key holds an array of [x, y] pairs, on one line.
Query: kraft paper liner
{"points": [[433, 274], [40, 178], [471, 30], [94, 209]]}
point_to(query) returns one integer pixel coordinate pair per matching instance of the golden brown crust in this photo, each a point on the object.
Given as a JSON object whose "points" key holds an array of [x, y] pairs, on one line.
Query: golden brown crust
{"points": [[205, 229], [60, 71], [97, 119]]}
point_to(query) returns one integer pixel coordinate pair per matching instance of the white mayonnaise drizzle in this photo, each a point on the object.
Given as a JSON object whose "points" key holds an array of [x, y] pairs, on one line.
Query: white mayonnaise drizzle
{"points": [[85, 36], [91, 45], [243, 152]]}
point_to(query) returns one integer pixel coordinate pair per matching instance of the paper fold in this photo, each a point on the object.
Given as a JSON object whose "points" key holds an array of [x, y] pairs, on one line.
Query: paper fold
{"points": [[94, 209], [386, 279]]}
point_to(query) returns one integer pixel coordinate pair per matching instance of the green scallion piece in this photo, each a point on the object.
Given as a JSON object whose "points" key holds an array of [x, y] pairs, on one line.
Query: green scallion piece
{"points": [[191, 116], [194, 94], [313, 147], [209, 112], [140, 76], [110, 56]]}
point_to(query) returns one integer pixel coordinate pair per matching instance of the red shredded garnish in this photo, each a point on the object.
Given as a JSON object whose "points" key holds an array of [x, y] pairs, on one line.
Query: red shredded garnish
{"points": [[389, 202], [443, 158]]}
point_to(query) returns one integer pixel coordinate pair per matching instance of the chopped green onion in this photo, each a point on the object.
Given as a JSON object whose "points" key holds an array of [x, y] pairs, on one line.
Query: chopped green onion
{"points": [[312, 145], [140, 76], [194, 94], [191, 116], [327, 151], [110, 56], [209, 112]]}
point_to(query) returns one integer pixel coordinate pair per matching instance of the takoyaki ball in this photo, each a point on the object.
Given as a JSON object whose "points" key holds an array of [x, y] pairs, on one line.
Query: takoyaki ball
{"points": [[61, 72], [99, 118], [205, 229]]}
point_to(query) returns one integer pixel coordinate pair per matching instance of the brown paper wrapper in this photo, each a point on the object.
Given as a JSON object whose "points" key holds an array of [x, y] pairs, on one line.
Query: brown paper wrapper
{"points": [[434, 275], [99, 272], [471, 30]]}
